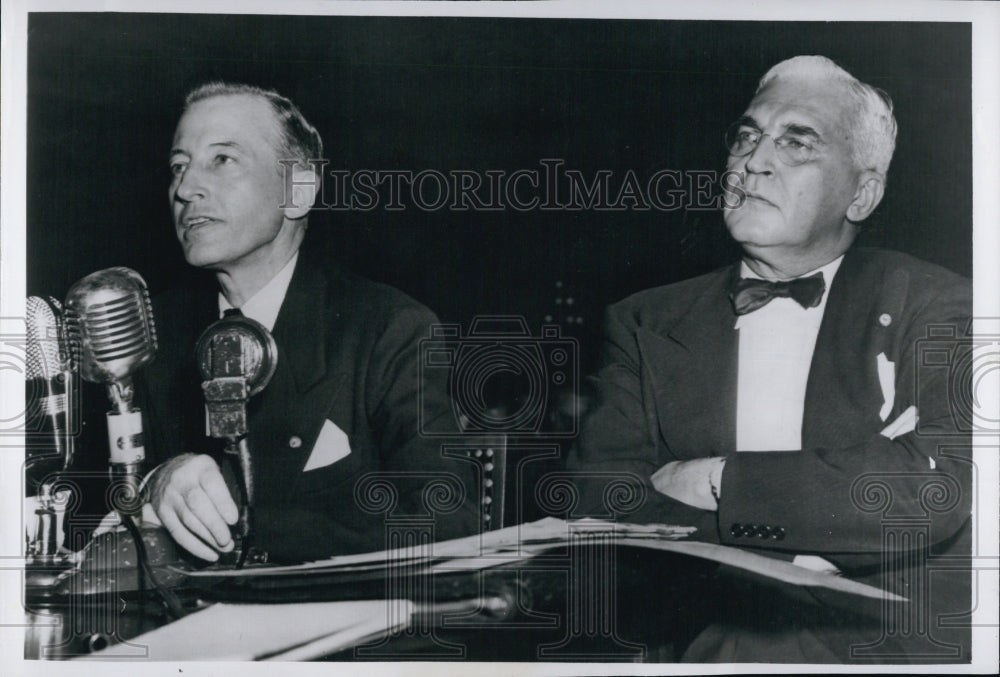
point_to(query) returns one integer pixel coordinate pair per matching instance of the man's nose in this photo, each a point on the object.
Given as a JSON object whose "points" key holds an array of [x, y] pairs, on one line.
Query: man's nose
{"points": [[190, 185], [762, 158]]}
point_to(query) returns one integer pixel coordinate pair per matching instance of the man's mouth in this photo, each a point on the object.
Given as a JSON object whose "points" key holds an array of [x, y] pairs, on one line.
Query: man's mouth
{"points": [[759, 198], [190, 222]]}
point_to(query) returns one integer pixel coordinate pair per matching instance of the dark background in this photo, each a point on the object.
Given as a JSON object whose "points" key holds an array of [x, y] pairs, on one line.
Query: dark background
{"points": [[104, 93]]}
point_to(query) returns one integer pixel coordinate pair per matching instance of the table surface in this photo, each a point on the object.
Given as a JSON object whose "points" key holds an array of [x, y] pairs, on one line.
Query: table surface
{"points": [[546, 609]]}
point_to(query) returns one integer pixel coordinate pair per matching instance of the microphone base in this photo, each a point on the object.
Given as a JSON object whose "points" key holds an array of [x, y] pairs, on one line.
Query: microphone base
{"points": [[42, 572]]}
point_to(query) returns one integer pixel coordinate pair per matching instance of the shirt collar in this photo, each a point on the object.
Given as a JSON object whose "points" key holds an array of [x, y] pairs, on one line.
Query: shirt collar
{"points": [[265, 304]]}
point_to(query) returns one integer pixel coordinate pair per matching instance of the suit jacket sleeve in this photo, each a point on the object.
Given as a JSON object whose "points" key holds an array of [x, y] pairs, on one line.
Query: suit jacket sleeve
{"points": [[619, 438]]}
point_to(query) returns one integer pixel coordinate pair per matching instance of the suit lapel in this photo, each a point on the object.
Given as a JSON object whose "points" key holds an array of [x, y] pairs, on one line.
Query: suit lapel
{"points": [[843, 380], [690, 369], [300, 326], [286, 418]]}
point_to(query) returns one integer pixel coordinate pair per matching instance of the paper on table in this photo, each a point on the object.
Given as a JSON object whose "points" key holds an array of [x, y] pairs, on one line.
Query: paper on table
{"points": [[767, 566], [244, 632], [523, 541], [781, 570], [509, 539]]}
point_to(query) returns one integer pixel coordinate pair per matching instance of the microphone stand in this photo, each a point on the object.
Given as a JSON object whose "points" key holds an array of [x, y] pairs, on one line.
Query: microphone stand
{"points": [[125, 436], [242, 452]]}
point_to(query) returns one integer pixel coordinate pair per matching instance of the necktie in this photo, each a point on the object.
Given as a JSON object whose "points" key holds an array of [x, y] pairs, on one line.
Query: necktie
{"points": [[750, 294]]}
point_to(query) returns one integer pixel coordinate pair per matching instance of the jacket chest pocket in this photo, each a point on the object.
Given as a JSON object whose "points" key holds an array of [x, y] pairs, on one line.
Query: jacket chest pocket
{"points": [[301, 441], [330, 460], [335, 476]]}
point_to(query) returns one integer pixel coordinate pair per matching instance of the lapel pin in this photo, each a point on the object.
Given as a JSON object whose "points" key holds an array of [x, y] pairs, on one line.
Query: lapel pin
{"points": [[885, 319]]}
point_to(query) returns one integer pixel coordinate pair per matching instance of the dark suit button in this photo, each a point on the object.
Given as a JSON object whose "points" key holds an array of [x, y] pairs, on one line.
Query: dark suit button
{"points": [[778, 533], [749, 530], [736, 530], [764, 531]]}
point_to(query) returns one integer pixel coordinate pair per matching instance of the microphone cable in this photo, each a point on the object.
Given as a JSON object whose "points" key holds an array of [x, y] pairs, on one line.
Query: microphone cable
{"points": [[173, 604]]}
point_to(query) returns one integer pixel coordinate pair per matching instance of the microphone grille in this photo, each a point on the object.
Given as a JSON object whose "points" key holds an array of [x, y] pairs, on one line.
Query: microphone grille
{"points": [[46, 349], [110, 315]]}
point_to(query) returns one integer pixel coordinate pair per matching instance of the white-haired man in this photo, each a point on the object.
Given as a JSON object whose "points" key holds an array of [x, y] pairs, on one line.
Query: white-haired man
{"points": [[806, 353]]}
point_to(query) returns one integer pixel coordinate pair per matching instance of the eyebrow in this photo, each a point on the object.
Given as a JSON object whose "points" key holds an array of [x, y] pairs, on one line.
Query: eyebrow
{"points": [[791, 128], [803, 130], [224, 144]]}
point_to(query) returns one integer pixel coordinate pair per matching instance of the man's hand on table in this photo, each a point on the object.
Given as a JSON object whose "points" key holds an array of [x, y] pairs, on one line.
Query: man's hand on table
{"points": [[192, 501], [697, 482]]}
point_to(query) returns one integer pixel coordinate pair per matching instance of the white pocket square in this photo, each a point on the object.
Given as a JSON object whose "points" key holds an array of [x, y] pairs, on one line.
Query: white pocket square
{"points": [[887, 380], [331, 446]]}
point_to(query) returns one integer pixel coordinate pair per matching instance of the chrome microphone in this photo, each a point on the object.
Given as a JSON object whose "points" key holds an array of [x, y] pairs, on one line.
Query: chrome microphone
{"points": [[50, 383], [109, 315], [50, 390]]}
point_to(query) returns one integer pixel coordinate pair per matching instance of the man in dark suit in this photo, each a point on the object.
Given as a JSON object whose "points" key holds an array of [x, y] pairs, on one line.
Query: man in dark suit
{"points": [[344, 399], [782, 403]]}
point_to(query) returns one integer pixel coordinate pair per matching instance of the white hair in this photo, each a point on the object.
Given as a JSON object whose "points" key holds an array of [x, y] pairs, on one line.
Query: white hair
{"points": [[873, 125]]}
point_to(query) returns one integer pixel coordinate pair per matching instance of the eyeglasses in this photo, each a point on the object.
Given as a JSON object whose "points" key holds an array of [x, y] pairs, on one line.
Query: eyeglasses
{"points": [[792, 149]]}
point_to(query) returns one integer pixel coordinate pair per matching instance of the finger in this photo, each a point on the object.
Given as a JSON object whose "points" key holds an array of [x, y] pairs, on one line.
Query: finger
{"points": [[185, 538], [216, 489], [206, 517], [195, 522]]}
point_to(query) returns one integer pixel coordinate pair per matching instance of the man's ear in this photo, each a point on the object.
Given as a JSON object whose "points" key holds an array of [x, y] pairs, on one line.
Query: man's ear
{"points": [[303, 189], [871, 187]]}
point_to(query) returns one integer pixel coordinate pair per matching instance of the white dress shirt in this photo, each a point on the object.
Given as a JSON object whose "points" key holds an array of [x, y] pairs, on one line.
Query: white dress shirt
{"points": [[776, 344], [265, 304]]}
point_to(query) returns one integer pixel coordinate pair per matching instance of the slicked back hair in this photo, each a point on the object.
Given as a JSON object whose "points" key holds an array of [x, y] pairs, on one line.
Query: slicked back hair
{"points": [[872, 121], [300, 140]]}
